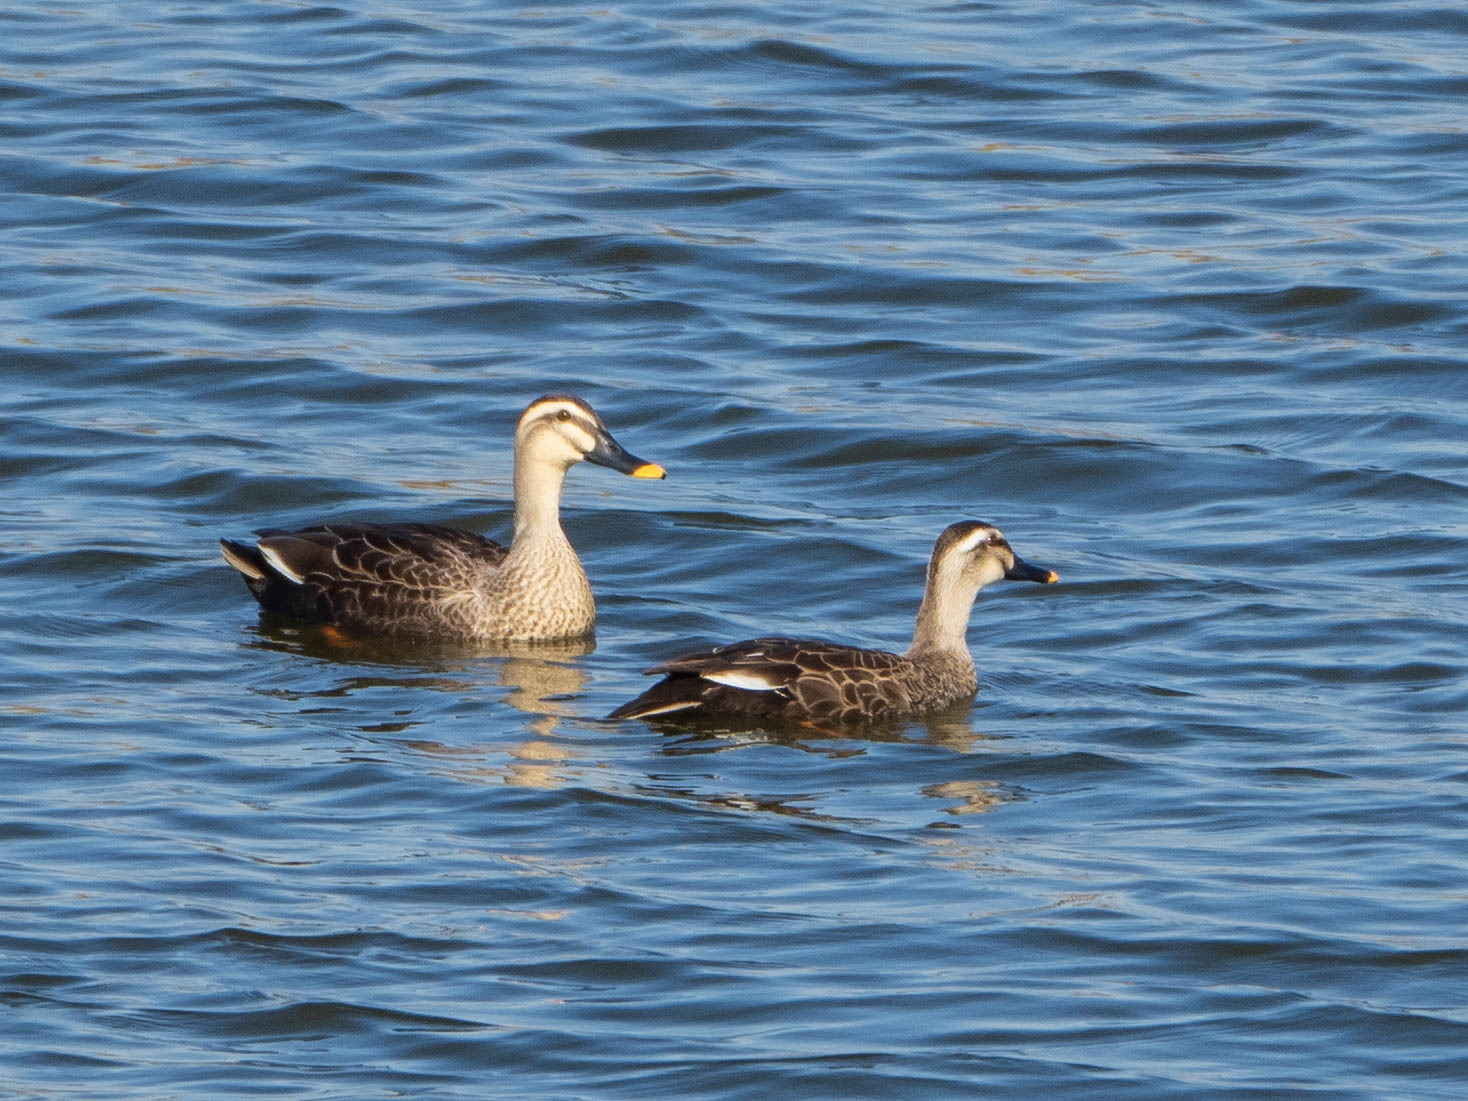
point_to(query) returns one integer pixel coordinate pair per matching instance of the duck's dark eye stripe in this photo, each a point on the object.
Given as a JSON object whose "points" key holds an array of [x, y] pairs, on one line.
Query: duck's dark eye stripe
{"points": [[568, 416]]}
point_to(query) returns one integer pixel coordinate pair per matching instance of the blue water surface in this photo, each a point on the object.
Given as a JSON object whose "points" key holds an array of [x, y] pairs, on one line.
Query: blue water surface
{"points": [[1172, 293]]}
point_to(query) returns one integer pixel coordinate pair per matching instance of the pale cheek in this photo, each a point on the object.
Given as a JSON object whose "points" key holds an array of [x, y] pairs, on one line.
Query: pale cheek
{"points": [[987, 572], [580, 442]]}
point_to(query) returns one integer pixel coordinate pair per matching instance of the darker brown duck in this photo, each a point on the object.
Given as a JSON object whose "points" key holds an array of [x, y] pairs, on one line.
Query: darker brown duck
{"points": [[770, 680]]}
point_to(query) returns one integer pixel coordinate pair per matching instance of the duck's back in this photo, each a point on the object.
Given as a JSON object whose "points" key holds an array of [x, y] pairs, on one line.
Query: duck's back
{"points": [[380, 578], [767, 679]]}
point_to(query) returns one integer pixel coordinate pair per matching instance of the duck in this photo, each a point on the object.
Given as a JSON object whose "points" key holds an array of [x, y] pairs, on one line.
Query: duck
{"points": [[436, 581], [817, 682]]}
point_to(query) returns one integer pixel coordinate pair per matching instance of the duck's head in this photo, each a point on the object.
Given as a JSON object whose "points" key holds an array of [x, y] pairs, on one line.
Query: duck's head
{"points": [[561, 431], [971, 554]]}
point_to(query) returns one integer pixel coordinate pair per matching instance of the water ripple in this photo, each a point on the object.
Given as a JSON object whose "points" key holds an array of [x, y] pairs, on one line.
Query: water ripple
{"points": [[1173, 296]]}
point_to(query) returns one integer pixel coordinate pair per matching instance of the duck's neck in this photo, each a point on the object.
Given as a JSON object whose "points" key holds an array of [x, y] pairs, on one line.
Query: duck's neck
{"points": [[540, 585], [538, 504], [942, 620]]}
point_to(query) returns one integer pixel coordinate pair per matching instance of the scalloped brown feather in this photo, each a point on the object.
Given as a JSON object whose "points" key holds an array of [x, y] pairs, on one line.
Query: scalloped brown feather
{"points": [[380, 578], [808, 679]]}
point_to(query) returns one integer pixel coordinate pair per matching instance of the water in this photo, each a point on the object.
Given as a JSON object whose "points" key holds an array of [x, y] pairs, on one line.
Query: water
{"points": [[1172, 294]]}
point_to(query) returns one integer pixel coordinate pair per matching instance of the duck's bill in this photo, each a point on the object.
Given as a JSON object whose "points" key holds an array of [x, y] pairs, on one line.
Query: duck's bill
{"points": [[609, 453], [1023, 571]]}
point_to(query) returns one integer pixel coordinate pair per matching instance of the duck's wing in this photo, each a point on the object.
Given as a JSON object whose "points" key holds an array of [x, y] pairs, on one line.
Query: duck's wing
{"points": [[772, 678], [421, 556], [377, 576], [740, 680]]}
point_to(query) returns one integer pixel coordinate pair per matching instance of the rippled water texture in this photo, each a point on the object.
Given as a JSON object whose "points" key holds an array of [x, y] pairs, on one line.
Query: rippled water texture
{"points": [[1173, 294]]}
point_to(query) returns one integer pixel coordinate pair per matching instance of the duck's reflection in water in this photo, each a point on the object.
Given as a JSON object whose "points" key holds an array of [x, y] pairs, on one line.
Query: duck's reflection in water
{"points": [[950, 730], [969, 796], [544, 687], [543, 680]]}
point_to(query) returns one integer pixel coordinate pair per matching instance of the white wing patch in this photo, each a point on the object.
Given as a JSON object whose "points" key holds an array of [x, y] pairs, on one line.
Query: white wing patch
{"points": [[279, 566], [751, 682], [244, 565], [666, 709]]}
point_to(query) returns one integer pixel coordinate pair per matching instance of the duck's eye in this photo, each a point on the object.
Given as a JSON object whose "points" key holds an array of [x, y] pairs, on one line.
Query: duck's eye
{"points": [[563, 415]]}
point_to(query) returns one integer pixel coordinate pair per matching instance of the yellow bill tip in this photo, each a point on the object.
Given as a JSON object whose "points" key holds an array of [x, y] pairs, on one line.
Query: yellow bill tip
{"points": [[1051, 577], [649, 470]]}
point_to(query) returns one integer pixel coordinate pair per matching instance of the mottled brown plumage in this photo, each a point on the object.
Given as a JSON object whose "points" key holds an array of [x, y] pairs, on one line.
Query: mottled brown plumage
{"points": [[779, 679], [423, 579]]}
